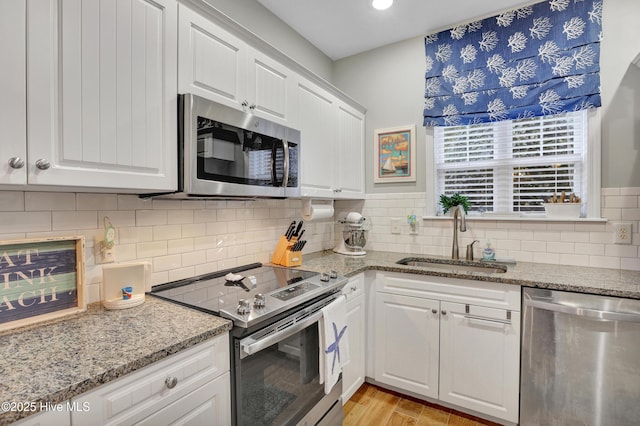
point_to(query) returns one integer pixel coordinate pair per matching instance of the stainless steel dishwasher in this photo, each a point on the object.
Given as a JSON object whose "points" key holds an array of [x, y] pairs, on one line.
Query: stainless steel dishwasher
{"points": [[580, 360]]}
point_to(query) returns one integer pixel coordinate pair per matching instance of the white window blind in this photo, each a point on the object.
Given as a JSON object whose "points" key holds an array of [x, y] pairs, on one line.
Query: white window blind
{"points": [[512, 166]]}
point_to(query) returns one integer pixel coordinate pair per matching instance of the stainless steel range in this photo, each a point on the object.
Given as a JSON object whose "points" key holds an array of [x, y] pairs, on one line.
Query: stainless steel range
{"points": [[275, 312]]}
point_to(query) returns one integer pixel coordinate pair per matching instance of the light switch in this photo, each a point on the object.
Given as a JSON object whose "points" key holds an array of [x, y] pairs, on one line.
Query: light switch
{"points": [[395, 225]]}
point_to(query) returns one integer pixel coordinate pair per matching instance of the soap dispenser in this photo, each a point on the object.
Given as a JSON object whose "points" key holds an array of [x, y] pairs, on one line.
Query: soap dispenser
{"points": [[488, 253]]}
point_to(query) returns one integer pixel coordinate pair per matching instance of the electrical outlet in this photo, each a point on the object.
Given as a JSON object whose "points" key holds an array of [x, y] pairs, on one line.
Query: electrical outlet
{"points": [[622, 233], [395, 225]]}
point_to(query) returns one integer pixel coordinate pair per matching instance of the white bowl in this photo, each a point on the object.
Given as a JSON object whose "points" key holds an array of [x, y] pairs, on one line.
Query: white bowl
{"points": [[566, 210]]}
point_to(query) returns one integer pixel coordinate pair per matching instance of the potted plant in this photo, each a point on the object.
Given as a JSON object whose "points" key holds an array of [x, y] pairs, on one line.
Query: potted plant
{"points": [[448, 202]]}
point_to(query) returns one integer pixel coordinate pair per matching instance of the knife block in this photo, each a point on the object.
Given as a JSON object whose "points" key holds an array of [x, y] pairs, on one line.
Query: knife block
{"points": [[280, 250], [292, 258], [282, 255]]}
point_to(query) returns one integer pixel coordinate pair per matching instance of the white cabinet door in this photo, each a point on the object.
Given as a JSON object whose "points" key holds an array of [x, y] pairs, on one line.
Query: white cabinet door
{"points": [[101, 99], [353, 373], [316, 121], [212, 62], [350, 153], [13, 119], [271, 89], [406, 343], [47, 418], [479, 359], [209, 405]]}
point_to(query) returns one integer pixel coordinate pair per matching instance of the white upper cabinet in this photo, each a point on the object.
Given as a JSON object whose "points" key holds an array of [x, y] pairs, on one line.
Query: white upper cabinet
{"points": [[349, 179], [13, 121], [101, 94], [217, 65], [316, 119], [211, 61]]}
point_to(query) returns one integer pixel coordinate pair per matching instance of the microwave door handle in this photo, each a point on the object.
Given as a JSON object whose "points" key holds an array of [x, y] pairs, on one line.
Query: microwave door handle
{"points": [[274, 175], [285, 166]]}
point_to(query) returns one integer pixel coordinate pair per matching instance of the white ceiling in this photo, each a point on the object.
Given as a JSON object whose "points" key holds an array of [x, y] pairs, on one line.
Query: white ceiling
{"points": [[342, 28]]}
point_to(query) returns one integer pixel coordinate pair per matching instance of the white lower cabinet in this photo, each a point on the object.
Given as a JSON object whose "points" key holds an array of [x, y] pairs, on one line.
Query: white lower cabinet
{"points": [[48, 418], [353, 373], [480, 359], [190, 387], [457, 341], [406, 346]]}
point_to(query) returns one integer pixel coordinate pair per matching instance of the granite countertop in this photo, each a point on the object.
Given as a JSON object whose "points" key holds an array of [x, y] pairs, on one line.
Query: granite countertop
{"points": [[610, 282], [54, 361]]}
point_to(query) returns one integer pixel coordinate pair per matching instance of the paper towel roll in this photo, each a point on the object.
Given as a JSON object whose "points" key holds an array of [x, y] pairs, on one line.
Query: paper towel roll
{"points": [[319, 211]]}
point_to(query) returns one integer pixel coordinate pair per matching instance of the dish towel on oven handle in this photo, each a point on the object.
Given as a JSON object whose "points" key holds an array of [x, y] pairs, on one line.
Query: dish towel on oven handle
{"points": [[334, 342]]}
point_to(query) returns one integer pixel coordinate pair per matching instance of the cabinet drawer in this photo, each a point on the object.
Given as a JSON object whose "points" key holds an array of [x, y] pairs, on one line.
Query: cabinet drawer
{"points": [[133, 397], [480, 293], [355, 287]]}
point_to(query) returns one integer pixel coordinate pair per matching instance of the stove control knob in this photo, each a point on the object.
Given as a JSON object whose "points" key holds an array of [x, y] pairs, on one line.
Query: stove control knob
{"points": [[244, 306], [324, 278], [259, 301], [333, 275]]}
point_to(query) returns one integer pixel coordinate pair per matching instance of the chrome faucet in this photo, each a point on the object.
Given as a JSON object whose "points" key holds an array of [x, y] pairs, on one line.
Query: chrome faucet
{"points": [[457, 211]]}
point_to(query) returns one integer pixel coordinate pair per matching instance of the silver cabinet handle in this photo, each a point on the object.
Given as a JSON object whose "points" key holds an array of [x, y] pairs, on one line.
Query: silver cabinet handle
{"points": [[43, 164], [583, 312], [285, 165], [434, 311], [16, 162], [481, 318], [171, 382], [354, 288], [444, 312]]}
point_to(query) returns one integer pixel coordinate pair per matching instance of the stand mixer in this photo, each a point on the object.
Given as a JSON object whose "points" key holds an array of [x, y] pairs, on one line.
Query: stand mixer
{"points": [[354, 235]]}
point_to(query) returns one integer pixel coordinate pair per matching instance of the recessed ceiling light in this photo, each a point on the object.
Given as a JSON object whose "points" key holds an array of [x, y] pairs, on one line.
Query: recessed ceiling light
{"points": [[381, 4]]}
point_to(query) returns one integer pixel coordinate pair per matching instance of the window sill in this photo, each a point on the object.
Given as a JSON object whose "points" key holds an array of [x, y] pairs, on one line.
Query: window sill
{"points": [[527, 218]]}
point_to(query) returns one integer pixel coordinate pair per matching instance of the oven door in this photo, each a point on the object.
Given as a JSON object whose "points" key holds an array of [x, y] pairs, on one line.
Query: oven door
{"points": [[277, 376]]}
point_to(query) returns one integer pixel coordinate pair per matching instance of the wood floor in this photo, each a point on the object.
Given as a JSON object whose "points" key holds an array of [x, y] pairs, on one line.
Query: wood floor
{"points": [[371, 405]]}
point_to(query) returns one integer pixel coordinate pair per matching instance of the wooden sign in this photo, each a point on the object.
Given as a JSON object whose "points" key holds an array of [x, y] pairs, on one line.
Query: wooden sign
{"points": [[40, 279]]}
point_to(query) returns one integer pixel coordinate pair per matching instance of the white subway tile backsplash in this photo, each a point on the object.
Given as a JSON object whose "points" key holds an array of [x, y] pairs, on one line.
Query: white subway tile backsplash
{"points": [[96, 201], [45, 201], [183, 245], [151, 217], [11, 223], [12, 201], [151, 249], [167, 232], [74, 220], [627, 201], [179, 216]]}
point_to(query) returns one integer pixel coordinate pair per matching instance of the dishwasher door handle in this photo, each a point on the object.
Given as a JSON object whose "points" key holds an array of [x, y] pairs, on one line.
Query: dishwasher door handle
{"points": [[583, 312]]}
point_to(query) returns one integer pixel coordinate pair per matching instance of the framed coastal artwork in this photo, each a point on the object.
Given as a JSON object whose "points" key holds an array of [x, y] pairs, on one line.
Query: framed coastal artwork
{"points": [[395, 154]]}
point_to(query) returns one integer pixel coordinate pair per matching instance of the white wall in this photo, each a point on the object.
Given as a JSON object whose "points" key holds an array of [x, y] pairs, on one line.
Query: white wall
{"points": [[260, 21], [390, 82], [180, 239]]}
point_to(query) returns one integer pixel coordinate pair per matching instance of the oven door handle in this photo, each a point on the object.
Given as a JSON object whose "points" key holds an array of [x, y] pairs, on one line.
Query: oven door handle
{"points": [[250, 346]]}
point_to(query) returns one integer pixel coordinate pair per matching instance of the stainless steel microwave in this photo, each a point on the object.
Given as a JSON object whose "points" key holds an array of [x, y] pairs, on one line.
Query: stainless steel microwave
{"points": [[231, 153]]}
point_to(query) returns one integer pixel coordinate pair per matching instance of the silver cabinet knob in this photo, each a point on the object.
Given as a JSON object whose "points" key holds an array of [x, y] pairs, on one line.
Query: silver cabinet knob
{"points": [[354, 288], [444, 312], [43, 164], [434, 311], [16, 162], [171, 382]]}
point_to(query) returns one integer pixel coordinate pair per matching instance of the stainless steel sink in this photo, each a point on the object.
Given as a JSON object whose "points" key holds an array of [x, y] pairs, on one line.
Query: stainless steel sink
{"points": [[453, 265]]}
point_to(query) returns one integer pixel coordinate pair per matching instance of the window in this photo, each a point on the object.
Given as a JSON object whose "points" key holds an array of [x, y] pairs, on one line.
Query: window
{"points": [[512, 166]]}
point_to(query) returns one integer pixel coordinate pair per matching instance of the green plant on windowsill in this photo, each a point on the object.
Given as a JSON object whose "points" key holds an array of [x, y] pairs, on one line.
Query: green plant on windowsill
{"points": [[448, 202]]}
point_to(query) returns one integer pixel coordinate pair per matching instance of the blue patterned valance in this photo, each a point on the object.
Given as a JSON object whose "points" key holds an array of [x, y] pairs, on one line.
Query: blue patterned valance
{"points": [[537, 60]]}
